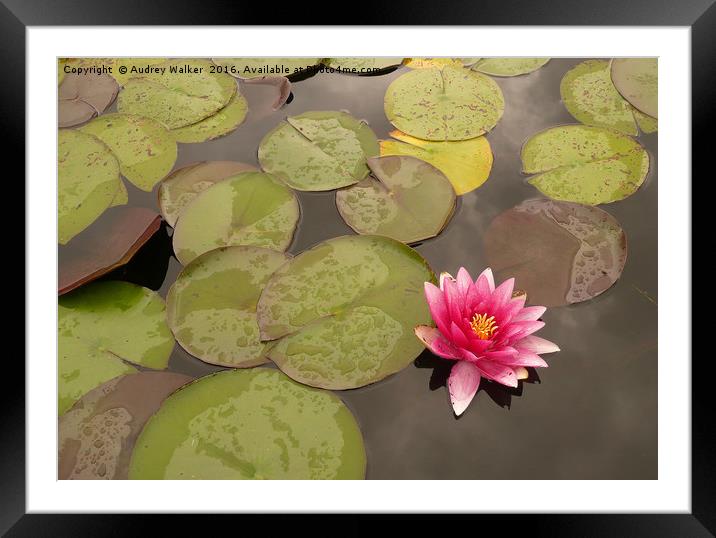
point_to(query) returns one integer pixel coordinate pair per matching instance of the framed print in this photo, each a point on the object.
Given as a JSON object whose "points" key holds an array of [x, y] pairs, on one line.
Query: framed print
{"points": [[359, 269]]}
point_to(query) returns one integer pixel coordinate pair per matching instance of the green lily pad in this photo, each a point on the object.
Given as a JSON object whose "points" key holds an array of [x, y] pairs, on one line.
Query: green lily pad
{"points": [[185, 184], [100, 326], [97, 435], [251, 208], [589, 165], [508, 67], [145, 149], [452, 103], [405, 198], [122, 196], [638, 81], [184, 93], [88, 180], [559, 253], [646, 124], [363, 66], [211, 307], [261, 67], [135, 67], [250, 425], [343, 312], [82, 97], [318, 151], [222, 123], [590, 96]]}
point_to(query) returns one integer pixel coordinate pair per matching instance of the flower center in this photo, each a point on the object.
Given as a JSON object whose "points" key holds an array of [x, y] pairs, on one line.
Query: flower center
{"points": [[483, 326]]}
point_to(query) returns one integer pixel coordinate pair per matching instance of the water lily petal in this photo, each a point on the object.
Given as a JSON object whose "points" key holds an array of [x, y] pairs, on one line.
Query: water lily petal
{"points": [[457, 336], [445, 276], [438, 308], [521, 372], [463, 383], [485, 284], [535, 344], [501, 355], [531, 313], [524, 358], [452, 299], [502, 294], [517, 330], [497, 372], [436, 342], [464, 281]]}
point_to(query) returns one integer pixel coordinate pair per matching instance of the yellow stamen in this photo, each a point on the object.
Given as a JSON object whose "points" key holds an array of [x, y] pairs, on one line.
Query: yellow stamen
{"points": [[483, 326]]}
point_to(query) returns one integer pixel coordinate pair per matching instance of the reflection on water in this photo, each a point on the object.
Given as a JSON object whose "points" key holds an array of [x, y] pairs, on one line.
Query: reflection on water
{"points": [[593, 414]]}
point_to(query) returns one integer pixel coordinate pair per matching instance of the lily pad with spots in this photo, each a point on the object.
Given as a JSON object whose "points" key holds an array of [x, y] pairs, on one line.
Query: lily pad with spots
{"points": [[343, 313], [97, 435], [404, 198], [88, 181], [466, 163], [363, 66], [318, 151], [82, 97], [135, 67], [185, 93], [249, 425], [452, 103], [638, 81], [145, 149], [261, 67], [584, 164], [429, 63], [508, 67], [211, 307], [102, 325], [560, 253], [222, 123], [251, 208], [185, 184]]}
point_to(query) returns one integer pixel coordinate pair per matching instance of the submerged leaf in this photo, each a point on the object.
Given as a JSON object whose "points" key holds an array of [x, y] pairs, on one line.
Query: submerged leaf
{"points": [[508, 67], [211, 308], [82, 97], [185, 184], [452, 103], [119, 235], [185, 93], [405, 198], [466, 163], [97, 436], [560, 253], [222, 123], [248, 425], [145, 149], [88, 181], [344, 311], [251, 208], [318, 151], [638, 82], [100, 326], [261, 67], [584, 164]]}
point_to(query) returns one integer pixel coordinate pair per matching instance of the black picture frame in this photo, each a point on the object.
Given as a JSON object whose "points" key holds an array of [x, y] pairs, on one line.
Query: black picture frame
{"points": [[699, 15]]}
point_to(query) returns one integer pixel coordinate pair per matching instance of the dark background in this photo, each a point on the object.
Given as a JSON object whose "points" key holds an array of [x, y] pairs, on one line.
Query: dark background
{"points": [[591, 415]]}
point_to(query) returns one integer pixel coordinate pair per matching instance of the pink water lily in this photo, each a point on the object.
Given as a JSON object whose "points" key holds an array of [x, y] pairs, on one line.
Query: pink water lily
{"points": [[487, 330]]}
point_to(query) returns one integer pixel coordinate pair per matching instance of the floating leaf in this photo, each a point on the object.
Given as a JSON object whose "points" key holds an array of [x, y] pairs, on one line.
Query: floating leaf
{"points": [[344, 311], [184, 93], [88, 180], [122, 196], [282, 84], [261, 67], [589, 165], [211, 308], [452, 103], [97, 435], [363, 66], [251, 208], [559, 252], [119, 235], [466, 163], [135, 67], [508, 67], [646, 124], [82, 97], [589, 95], [429, 63], [637, 80], [145, 149], [185, 184], [250, 425], [61, 70], [318, 151], [222, 123], [405, 198], [101, 325]]}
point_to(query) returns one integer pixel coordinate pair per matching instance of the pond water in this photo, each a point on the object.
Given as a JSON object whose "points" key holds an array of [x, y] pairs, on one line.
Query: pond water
{"points": [[591, 415]]}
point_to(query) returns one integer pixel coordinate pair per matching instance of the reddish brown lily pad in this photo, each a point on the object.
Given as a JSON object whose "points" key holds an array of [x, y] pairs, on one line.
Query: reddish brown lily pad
{"points": [[97, 435], [82, 97], [282, 85], [114, 240], [559, 252]]}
